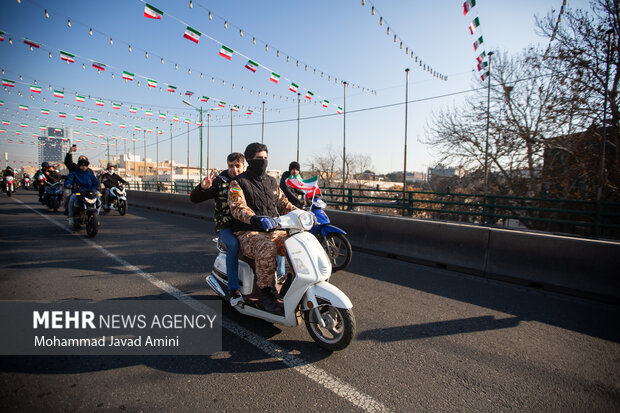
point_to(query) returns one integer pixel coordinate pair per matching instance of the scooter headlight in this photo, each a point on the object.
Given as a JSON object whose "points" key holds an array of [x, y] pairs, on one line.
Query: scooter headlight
{"points": [[319, 203], [306, 220], [90, 201]]}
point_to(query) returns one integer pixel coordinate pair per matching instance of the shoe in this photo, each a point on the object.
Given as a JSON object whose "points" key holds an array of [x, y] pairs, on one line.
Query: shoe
{"points": [[281, 279], [268, 303], [235, 297]]}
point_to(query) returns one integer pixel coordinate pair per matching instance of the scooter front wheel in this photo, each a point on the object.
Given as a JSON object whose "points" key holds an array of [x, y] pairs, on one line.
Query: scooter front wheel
{"points": [[92, 225], [338, 250], [339, 327], [122, 206]]}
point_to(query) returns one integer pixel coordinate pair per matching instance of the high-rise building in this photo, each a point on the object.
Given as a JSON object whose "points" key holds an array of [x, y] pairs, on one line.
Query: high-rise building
{"points": [[53, 146]]}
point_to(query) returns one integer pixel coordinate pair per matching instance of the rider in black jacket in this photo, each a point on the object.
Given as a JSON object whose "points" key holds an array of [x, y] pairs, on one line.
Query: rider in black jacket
{"points": [[294, 195], [109, 179]]}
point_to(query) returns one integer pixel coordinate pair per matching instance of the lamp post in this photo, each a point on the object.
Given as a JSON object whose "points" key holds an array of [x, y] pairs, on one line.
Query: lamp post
{"points": [[231, 138], [200, 110], [157, 157], [262, 136], [599, 193], [344, 141], [144, 157], [298, 101], [188, 156], [171, 171], [405, 152], [486, 147], [208, 135]]}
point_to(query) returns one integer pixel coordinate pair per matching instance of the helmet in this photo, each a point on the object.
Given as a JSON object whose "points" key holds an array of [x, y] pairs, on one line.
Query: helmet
{"points": [[110, 165], [83, 161], [45, 165]]}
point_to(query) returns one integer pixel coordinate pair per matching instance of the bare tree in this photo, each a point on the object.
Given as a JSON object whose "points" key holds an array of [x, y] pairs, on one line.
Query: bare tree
{"points": [[328, 165]]}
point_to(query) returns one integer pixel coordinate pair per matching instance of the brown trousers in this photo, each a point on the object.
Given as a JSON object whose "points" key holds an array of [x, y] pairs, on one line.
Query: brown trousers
{"points": [[263, 247]]}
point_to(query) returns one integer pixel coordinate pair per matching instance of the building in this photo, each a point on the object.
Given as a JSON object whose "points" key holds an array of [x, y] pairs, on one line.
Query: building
{"points": [[53, 145], [441, 171]]}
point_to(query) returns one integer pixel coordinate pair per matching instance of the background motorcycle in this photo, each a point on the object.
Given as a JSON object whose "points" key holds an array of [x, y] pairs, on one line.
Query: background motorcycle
{"points": [[52, 196], [86, 212], [26, 183], [9, 186], [118, 199], [331, 237]]}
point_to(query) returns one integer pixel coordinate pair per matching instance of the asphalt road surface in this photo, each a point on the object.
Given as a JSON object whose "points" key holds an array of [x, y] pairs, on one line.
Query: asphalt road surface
{"points": [[427, 339]]}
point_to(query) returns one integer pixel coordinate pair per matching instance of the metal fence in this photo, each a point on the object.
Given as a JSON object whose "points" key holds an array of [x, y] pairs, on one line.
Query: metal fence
{"points": [[564, 216]]}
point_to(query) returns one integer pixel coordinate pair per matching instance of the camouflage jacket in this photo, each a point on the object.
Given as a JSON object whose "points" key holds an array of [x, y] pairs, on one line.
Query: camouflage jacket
{"points": [[219, 193]]}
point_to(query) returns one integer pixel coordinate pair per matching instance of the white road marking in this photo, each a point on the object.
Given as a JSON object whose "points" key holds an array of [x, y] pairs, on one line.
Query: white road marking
{"points": [[325, 379]]}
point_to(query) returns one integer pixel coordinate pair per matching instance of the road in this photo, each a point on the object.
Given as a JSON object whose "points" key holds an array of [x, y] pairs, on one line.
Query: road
{"points": [[428, 339]]}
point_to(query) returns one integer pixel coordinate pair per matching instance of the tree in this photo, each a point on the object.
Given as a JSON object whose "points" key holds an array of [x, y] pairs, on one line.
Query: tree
{"points": [[328, 166]]}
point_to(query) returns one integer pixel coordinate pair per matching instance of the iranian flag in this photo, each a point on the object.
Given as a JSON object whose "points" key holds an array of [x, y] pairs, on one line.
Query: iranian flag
{"points": [[108, 123], [325, 103], [2, 130], [8, 83], [149, 130], [148, 113], [62, 115], [482, 65], [159, 132], [226, 52], [67, 57], [175, 118], [481, 57], [252, 65], [23, 107], [310, 186], [189, 93], [99, 66], [44, 127], [204, 99], [80, 118], [93, 120], [275, 78], [1, 102], [478, 42], [187, 121], [45, 112], [35, 89], [467, 6], [475, 23], [249, 112], [484, 75], [221, 104], [151, 82], [23, 125], [132, 109], [192, 34], [152, 12], [31, 43], [122, 126], [137, 128], [99, 102], [128, 75], [1, 36], [235, 108], [171, 88], [59, 94], [309, 95], [116, 105], [293, 87], [162, 115], [79, 98], [198, 123], [6, 122], [339, 110]]}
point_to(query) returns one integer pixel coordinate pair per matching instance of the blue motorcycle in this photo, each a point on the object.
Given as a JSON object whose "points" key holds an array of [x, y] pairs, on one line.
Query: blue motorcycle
{"points": [[52, 196], [332, 238]]}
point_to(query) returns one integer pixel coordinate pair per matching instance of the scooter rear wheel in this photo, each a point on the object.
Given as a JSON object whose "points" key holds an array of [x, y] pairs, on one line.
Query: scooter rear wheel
{"points": [[339, 327]]}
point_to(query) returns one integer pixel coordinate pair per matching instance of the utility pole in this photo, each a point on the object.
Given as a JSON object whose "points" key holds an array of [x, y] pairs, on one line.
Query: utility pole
{"points": [[157, 157], [231, 136], [200, 174], [298, 101], [144, 143], [486, 147], [171, 170], [405, 156], [344, 141], [208, 136], [262, 136], [188, 156]]}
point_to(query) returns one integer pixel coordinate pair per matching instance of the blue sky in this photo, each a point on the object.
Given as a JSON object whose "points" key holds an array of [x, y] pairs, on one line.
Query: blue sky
{"points": [[339, 38]]}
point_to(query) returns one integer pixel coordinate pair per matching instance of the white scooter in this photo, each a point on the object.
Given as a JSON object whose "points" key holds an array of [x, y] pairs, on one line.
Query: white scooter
{"points": [[308, 294]]}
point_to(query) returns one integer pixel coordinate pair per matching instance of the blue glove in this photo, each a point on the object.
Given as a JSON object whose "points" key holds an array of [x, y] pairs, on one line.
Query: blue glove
{"points": [[263, 223]]}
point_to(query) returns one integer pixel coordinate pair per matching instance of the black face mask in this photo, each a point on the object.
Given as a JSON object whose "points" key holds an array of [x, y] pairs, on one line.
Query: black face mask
{"points": [[257, 166]]}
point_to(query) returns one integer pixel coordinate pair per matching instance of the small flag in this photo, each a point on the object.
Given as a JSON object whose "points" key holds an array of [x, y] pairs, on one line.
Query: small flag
{"points": [[151, 82], [221, 104], [339, 110], [198, 123], [235, 108], [93, 120], [132, 109], [1, 36], [475, 23], [152, 13], [42, 127], [482, 65], [6, 122], [252, 65], [35, 89], [226, 52], [67, 57], [175, 118], [162, 115], [204, 99], [137, 128], [467, 6], [249, 112], [99, 102], [128, 75], [484, 75], [171, 88], [79, 98], [23, 107], [159, 132], [192, 34], [189, 93], [148, 113], [23, 125], [478, 42], [108, 123], [45, 112], [149, 130], [31, 43], [99, 66], [59, 94], [275, 78], [1, 102], [325, 103], [116, 105], [8, 83], [293, 87], [2, 130], [187, 121], [309, 95], [481, 57], [122, 126], [80, 118], [62, 115]]}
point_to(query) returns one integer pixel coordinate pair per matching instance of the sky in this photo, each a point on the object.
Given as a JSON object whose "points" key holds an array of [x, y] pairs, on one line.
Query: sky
{"points": [[340, 39]]}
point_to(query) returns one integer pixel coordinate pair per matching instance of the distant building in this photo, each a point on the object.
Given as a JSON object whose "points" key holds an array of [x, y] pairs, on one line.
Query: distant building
{"points": [[441, 171], [53, 145]]}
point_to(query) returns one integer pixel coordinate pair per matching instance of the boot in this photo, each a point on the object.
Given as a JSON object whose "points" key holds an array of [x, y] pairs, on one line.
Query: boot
{"points": [[268, 303]]}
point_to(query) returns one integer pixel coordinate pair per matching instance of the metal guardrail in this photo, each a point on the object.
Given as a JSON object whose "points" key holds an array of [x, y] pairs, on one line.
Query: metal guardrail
{"points": [[573, 217]]}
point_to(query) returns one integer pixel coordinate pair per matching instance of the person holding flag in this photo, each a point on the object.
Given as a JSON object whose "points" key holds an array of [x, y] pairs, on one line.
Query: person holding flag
{"points": [[294, 195]]}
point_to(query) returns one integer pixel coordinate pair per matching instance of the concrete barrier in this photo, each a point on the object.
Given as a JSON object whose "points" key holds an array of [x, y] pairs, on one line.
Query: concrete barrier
{"points": [[572, 265]]}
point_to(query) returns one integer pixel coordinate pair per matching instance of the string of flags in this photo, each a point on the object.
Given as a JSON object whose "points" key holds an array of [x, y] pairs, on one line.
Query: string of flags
{"points": [[476, 31], [226, 52], [398, 40]]}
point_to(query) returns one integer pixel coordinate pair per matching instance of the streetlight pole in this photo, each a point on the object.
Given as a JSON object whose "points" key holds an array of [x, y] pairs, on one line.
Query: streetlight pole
{"points": [[298, 100], [144, 143], [344, 141], [135, 175], [231, 136], [486, 147], [171, 170], [157, 157], [125, 153], [200, 174], [188, 156], [208, 136], [262, 136], [599, 193], [405, 155]]}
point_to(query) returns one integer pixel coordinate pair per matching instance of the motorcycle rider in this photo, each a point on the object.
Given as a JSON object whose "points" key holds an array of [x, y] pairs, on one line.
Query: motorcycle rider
{"points": [[51, 175], [25, 177], [71, 166], [215, 187], [83, 178], [254, 198], [109, 179], [294, 195], [7, 172]]}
